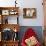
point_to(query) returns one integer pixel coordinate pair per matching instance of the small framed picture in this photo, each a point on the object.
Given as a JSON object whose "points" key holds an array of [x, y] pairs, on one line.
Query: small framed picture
{"points": [[5, 12], [29, 12], [12, 12]]}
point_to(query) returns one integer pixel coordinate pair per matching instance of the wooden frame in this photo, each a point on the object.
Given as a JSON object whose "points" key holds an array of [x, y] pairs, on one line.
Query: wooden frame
{"points": [[29, 12], [5, 12], [13, 12]]}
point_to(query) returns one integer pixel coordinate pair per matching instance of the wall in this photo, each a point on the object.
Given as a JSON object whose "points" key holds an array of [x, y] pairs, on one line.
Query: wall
{"points": [[38, 21], [7, 3]]}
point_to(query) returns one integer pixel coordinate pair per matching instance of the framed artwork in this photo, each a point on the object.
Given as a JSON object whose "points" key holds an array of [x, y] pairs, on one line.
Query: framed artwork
{"points": [[29, 12], [5, 12], [12, 12]]}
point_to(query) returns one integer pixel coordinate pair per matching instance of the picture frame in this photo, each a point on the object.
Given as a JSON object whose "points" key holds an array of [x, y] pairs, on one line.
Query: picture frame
{"points": [[13, 12], [5, 12], [29, 12]]}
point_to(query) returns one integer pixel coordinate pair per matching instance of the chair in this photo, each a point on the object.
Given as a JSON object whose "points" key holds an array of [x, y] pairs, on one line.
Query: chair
{"points": [[27, 37]]}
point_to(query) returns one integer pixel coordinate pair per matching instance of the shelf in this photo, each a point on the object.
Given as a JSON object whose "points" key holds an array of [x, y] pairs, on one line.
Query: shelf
{"points": [[10, 26], [9, 10], [6, 12], [11, 41], [7, 23]]}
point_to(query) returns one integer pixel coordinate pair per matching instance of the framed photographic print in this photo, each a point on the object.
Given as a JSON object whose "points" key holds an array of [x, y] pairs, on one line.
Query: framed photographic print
{"points": [[5, 12], [29, 12], [12, 12]]}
